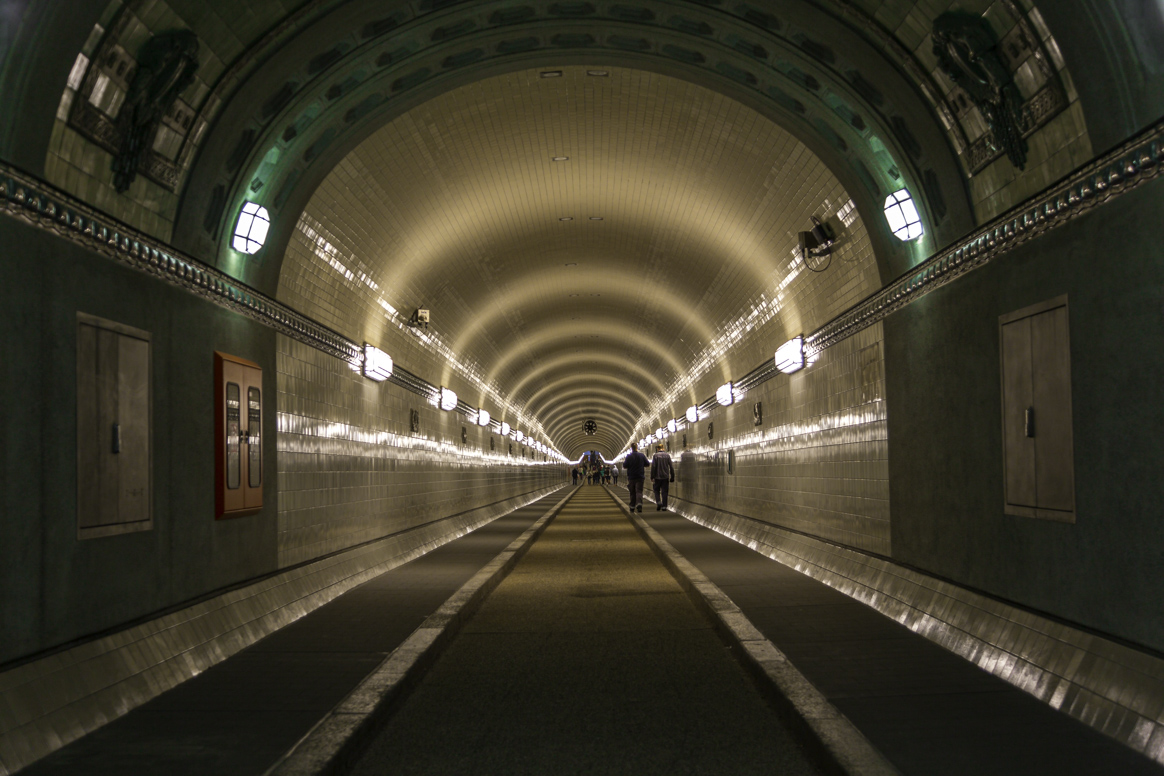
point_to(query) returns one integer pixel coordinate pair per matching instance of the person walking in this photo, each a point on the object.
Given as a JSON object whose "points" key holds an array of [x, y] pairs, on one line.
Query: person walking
{"points": [[636, 466], [662, 475], [574, 473], [614, 473]]}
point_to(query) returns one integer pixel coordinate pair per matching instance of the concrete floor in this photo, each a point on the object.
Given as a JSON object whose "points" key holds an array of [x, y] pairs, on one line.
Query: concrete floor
{"points": [[588, 658]]}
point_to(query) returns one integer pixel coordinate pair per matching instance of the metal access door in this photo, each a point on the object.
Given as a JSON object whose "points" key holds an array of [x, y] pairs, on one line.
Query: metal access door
{"points": [[1038, 449], [113, 428]]}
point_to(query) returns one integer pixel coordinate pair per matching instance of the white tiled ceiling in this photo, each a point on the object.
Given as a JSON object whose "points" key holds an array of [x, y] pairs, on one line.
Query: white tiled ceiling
{"points": [[457, 206]]}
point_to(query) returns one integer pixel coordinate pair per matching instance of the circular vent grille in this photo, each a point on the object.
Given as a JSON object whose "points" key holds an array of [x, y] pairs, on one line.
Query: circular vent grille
{"points": [[590, 427]]}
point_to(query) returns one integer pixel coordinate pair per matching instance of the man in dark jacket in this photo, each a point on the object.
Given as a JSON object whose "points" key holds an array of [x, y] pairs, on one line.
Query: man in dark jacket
{"points": [[636, 467], [662, 475]]}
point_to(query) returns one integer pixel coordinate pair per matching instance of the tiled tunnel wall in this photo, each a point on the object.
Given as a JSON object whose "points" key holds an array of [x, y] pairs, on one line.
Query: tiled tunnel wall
{"points": [[351, 469], [818, 460], [55, 586], [946, 458], [819, 431]]}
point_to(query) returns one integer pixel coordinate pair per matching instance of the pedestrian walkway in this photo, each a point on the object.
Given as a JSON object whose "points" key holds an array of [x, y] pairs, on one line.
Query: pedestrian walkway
{"points": [[926, 709], [240, 716], [588, 658]]}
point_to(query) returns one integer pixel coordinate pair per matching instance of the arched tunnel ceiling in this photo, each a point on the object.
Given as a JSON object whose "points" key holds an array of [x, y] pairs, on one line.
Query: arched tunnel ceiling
{"points": [[336, 71], [458, 206]]}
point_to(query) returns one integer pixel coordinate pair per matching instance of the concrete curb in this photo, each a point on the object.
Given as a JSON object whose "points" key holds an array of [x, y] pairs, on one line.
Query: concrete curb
{"points": [[841, 746], [336, 741]]}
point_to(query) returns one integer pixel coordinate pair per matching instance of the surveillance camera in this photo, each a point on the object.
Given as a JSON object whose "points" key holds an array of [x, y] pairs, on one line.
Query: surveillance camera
{"points": [[419, 317]]}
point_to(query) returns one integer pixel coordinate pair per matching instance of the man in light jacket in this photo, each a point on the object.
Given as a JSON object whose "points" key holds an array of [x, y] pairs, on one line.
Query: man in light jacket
{"points": [[662, 475]]}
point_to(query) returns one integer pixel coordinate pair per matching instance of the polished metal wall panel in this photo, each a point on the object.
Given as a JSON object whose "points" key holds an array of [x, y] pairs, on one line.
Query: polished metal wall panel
{"points": [[1112, 687], [351, 470], [819, 460], [46, 703]]}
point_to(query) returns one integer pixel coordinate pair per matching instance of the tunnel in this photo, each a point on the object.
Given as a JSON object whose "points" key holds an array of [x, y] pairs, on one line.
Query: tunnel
{"points": [[338, 333]]}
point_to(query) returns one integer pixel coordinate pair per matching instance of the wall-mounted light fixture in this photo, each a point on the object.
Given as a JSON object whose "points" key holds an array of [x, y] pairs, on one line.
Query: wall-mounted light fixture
{"points": [[902, 216], [505, 429], [724, 395], [672, 425], [482, 417], [790, 356], [693, 414], [250, 231], [448, 400], [518, 436], [377, 364]]}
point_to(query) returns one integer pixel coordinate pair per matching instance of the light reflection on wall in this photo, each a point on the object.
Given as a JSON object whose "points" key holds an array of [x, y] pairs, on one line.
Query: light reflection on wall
{"points": [[289, 422], [854, 273], [361, 282]]}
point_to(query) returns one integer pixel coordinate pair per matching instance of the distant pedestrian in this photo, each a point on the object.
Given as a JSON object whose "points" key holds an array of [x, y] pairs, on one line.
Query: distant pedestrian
{"points": [[662, 475], [614, 473], [636, 466], [574, 474]]}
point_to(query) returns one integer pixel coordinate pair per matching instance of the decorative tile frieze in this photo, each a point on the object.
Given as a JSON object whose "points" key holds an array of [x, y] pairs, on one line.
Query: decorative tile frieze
{"points": [[1096, 184], [44, 206], [37, 203]]}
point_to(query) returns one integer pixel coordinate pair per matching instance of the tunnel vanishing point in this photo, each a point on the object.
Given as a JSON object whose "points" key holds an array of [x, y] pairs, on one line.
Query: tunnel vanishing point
{"points": [[299, 293]]}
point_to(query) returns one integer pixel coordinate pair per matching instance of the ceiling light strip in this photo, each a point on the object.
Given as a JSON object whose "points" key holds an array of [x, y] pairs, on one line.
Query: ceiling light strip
{"points": [[1099, 182], [41, 204], [1096, 183]]}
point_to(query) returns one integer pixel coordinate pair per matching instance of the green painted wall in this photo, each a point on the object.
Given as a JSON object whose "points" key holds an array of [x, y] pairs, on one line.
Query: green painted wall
{"points": [[945, 437], [55, 587], [1115, 51]]}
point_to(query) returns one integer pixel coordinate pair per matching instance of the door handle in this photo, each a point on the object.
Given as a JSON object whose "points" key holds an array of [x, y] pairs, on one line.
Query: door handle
{"points": [[117, 437], [1029, 422]]}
